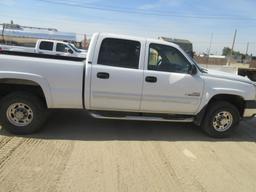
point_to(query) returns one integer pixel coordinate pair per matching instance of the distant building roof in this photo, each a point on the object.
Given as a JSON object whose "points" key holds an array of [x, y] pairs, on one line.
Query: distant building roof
{"points": [[175, 40], [217, 56]]}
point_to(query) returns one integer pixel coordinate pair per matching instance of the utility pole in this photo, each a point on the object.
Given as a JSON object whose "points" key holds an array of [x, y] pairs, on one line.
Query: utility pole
{"points": [[232, 49], [209, 49], [210, 45], [247, 48], [3, 33], [247, 57]]}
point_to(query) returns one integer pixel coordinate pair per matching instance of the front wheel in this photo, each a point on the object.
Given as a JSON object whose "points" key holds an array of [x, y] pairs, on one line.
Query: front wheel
{"points": [[22, 113], [221, 119]]}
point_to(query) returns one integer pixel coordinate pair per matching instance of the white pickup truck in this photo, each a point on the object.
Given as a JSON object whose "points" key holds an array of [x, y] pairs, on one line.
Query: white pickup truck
{"points": [[126, 78], [48, 47]]}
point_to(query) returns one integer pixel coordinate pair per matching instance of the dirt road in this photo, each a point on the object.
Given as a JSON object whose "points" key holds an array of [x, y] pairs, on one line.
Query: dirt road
{"points": [[77, 153]]}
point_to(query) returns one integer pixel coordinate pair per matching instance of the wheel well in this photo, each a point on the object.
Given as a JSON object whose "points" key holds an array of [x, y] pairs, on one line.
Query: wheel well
{"points": [[236, 100], [8, 86]]}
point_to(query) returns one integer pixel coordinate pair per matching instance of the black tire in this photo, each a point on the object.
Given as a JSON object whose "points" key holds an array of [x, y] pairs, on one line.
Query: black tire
{"points": [[213, 110], [36, 117]]}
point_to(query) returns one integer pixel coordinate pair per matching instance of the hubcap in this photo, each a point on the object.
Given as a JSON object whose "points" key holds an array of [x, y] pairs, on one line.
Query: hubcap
{"points": [[222, 121], [19, 114]]}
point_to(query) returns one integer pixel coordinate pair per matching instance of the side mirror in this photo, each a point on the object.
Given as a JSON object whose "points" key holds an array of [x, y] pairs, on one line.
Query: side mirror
{"points": [[192, 70], [66, 50], [70, 51]]}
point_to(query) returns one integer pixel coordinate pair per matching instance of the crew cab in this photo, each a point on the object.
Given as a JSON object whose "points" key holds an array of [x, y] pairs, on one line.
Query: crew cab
{"points": [[48, 47], [127, 78]]}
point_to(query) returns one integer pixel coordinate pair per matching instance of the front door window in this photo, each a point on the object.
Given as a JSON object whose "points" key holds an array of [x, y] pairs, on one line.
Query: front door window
{"points": [[167, 59]]}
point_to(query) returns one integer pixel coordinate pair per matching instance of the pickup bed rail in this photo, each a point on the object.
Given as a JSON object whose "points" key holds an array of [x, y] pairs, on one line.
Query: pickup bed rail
{"points": [[38, 55]]}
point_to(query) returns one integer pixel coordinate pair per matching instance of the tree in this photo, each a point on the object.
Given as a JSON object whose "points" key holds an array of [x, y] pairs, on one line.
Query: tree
{"points": [[226, 51], [236, 54]]}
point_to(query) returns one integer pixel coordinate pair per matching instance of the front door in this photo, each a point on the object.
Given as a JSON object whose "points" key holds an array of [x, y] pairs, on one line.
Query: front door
{"points": [[168, 87]]}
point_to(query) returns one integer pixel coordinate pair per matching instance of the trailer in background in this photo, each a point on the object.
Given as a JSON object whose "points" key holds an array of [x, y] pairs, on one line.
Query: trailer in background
{"points": [[17, 35]]}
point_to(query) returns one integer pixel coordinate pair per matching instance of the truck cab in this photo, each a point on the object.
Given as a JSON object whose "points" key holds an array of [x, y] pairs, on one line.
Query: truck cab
{"points": [[143, 75], [158, 80]]}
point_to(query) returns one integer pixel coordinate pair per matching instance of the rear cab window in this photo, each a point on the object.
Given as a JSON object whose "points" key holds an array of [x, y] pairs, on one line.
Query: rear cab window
{"points": [[45, 45], [120, 53]]}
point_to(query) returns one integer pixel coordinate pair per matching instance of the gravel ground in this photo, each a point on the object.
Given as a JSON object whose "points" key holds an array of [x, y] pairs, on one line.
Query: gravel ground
{"points": [[77, 153]]}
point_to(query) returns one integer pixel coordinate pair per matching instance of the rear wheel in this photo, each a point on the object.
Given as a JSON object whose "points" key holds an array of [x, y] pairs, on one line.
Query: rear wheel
{"points": [[221, 119], [22, 113]]}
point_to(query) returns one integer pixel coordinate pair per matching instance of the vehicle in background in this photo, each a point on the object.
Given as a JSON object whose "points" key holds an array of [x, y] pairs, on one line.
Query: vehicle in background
{"points": [[49, 47], [247, 72]]}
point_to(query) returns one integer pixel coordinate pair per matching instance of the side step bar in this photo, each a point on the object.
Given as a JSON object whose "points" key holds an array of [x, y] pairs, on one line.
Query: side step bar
{"points": [[143, 118]]}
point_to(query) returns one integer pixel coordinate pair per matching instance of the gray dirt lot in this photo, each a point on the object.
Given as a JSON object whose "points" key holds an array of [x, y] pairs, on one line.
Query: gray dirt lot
{"points": [[77, 153]]}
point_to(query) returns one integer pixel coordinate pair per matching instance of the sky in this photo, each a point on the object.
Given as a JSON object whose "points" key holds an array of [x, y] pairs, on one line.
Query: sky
{"points": [[195, 20]]}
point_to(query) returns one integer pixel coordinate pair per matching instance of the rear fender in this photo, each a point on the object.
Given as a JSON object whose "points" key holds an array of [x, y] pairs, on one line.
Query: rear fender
{"points": [[42, 82]]}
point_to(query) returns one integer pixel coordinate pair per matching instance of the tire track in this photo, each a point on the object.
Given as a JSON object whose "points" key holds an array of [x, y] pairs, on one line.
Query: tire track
{"points": [[172, 171], [4, 141], [159, 168], [8, 148], [33, 164]]}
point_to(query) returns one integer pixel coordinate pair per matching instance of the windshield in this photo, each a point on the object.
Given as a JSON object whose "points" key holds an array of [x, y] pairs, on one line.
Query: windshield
{"points": [[74, 47]]}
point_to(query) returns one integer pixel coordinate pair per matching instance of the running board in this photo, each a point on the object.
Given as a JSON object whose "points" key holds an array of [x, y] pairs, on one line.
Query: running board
{"points": [[143, 118]]}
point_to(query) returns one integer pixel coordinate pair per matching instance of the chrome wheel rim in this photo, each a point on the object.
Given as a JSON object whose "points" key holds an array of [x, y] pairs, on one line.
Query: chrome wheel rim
{"points": [[222, 121], [19, 114]]}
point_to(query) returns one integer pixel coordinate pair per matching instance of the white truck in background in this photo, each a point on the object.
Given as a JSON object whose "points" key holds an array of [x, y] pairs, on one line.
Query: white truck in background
{"points": [[127, 78], [48, 47]]}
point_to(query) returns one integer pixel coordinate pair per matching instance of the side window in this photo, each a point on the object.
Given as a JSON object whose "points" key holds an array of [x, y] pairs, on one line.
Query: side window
{"points": [[167, 58], [44, 45], [61, 47], [119, 53]]}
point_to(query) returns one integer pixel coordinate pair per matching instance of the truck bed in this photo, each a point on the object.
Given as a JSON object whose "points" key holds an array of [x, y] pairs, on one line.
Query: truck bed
{"points": [[61, 80]]}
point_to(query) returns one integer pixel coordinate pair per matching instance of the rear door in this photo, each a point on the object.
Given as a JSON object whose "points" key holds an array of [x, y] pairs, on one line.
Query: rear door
{"points": [[117, 77], [46, 47]]}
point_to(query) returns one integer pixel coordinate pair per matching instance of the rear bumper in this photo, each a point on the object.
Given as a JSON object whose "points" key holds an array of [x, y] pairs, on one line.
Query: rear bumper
{"points": [[250, 109]]}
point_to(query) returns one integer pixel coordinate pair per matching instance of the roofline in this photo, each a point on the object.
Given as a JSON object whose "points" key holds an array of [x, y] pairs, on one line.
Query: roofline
{"points": [[49, 40], [138, 38]]}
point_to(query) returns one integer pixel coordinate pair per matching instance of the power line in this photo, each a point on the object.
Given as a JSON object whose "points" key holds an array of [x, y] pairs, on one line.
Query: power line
{"points": [[149, 13], [123, 24]]}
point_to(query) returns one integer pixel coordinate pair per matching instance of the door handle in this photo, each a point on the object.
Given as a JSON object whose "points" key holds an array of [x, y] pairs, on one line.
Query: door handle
{"points": [[151, 79], [102, 75]]}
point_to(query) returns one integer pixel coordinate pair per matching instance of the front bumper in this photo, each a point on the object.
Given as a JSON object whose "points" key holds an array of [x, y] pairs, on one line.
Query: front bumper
{"points": [[250, 109]]}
